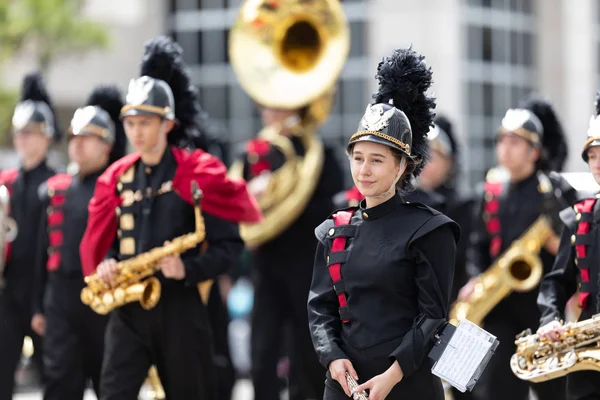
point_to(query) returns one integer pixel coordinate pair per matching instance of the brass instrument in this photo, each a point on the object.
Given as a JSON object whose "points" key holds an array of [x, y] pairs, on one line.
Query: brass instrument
{"points": [[128, 286], [288, 55], [537, 359], [8, 230], [518, 269]]}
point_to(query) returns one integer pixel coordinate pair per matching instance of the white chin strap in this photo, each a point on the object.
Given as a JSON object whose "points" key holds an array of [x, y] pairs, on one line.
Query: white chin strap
{"points": [[392, 188]]}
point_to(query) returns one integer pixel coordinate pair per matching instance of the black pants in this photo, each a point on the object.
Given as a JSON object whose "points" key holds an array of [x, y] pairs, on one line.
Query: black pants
{"points": [[74, 341], [15, 324], [498, 381], [219, 321], [175, 336], [280, 297], [421, 384], [583, 385]]}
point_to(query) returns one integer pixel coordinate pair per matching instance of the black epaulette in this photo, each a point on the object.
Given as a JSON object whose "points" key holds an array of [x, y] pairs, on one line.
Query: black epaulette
{"points": [[325, 226]]}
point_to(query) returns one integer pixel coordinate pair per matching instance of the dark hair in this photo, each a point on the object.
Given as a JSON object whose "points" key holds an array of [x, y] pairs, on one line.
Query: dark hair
{"points": [[404, 184]]}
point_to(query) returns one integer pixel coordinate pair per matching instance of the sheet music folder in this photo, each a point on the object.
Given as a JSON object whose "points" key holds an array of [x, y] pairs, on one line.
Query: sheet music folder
{"points": [[461, 354]]}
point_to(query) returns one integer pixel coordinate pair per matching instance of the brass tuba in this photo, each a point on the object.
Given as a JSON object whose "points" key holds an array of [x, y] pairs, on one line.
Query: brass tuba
{"points": [[129, 285], [8, 230], [288, 54], [518, 269]]}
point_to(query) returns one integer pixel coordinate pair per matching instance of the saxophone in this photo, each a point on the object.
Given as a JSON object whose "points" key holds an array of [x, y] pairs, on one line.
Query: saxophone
{"points": [[519, 269], [8, 230], [537, 359], [128, 286]]}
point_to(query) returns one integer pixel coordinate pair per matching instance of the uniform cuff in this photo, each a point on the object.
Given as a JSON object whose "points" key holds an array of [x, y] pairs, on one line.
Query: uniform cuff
{"points": [[335, 354], [193, 275]]}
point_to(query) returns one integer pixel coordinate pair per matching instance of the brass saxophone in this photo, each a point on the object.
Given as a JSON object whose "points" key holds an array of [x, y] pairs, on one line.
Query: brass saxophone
{"points": [[288, 54], [8, 230], [518, 269], [537, 359], [128, 286]]}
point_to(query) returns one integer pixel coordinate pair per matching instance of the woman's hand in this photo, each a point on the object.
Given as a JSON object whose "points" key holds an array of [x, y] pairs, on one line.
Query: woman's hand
{"points": [[465, 293], [107, 269], [381, 385], [551, 331], [338, 368]]}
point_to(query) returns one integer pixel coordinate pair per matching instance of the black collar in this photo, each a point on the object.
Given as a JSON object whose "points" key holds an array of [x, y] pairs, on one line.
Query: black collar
{"points": [[382, 209]]}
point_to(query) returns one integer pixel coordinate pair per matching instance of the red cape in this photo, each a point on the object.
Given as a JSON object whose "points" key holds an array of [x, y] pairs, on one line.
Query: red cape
{"points": [[222, 197]]}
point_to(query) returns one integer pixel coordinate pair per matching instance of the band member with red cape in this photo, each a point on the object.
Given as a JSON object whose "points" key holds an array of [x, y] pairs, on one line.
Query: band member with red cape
{"points": [[140, 202], [34, 129]]}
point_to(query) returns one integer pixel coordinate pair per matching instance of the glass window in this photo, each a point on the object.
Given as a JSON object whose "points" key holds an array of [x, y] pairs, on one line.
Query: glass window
{"points": [[488, 99], [210, 4], [353, 93], [213, 47], [474, 40], [500, 45], [357, 38], [528, 49], [502, 100], [240, 104], [185, 4], [486, 45], [475, 98], [188, 42], [214, 100]]}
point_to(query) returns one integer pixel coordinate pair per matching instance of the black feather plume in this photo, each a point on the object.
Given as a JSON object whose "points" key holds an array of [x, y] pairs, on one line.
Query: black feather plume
{"points": [[108, 98], [163, 60], [554, 144], [34, 88], [405, 78]]}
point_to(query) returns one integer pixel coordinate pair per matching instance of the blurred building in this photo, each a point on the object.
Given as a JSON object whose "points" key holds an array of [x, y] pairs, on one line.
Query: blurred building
{"points": [[486, 55]]}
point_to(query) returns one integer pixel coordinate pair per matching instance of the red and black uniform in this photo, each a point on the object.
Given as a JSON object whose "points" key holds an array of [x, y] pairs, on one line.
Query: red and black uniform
{"points": [[135, 208], [15, 301], [576, 268], [74, 339], [282, 274], [505, 212]]}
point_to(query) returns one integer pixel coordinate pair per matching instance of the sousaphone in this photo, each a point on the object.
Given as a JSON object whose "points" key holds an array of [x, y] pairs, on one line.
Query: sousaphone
{"points": [[288, 54]]}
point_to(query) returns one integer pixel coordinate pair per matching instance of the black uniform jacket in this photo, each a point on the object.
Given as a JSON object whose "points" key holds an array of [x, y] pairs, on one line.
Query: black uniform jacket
{"points": [[162, 215], [396, 276], [565, 278], [27, 210], [520, 205], [75, 212], [298, 239]]}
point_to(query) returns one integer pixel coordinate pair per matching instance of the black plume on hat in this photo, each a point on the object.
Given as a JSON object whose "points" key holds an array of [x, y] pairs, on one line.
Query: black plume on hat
{"points": [[33, 88], [554, 144], [108, 98], [163, 60], [404, 78]]}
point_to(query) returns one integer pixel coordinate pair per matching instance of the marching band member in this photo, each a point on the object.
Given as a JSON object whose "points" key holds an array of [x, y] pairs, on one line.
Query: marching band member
{"points": [[143, 200], [34, 128], [379, 294], [576, 268], [73, 333], [441, 175], [530, 144], [281, 289]]}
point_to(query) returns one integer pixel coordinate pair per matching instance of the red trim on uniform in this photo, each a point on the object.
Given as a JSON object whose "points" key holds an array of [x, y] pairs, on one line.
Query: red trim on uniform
{"points": [[583, 228], [354, 195], [57, 188], [339, 244], [7, 178], [258, 150], [491, 206], [223, 197]]}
